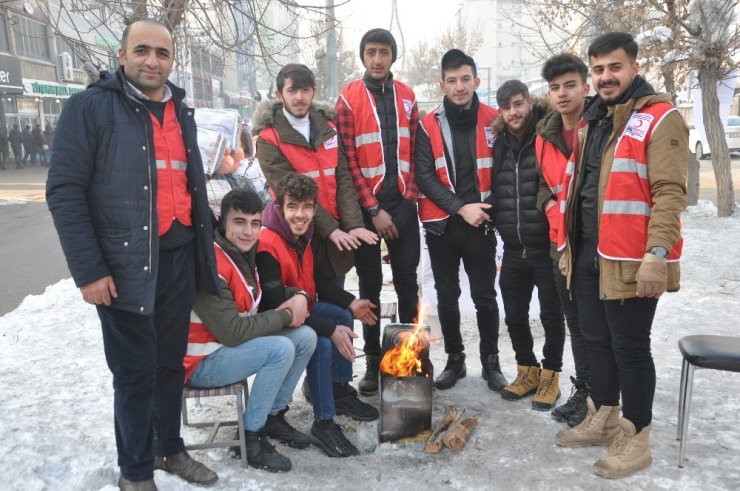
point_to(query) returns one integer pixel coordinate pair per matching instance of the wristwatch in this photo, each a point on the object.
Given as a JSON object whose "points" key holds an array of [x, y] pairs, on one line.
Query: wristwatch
{"points": [[659, 251], [304, 293], [374, 210]]}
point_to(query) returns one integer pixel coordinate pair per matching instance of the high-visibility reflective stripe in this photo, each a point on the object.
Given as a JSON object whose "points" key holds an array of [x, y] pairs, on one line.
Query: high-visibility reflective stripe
{"points": [[202, 349], [484, 195], [176, 165], [440, 163], [563, 206], [404, 132], [369, 173], [556, 189], [626, 208], [314, 174], [367, 138], [630, 165], [570, 167], [404, 166], [484, 163]]}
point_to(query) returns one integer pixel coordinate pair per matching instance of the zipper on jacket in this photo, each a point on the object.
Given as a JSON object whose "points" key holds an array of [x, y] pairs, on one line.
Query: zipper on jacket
{"points": [[518, 211]]}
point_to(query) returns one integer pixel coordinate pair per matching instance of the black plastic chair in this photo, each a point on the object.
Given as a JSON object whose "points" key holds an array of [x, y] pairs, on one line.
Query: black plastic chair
{"points": [[702, 351]]}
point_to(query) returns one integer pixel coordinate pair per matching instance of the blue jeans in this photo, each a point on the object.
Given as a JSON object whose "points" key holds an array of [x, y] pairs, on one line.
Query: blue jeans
{"points": [[327, 365], [277, 360]]}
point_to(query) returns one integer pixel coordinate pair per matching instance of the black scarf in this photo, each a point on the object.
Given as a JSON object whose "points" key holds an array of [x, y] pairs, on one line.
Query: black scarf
{"points": [[459, 118]]}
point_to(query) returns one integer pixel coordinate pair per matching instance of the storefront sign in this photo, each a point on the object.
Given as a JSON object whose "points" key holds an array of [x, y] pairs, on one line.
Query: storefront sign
{"points": [[27, 107], [10, 75], [107, 43], [49, 89]]}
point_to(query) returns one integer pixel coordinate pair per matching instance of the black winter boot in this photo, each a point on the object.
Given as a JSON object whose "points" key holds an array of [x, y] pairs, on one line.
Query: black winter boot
{"points": [[262, 455], [454, 370], [576, 404], [278, 428], [346, 402], [368, 386], [491, 372]]}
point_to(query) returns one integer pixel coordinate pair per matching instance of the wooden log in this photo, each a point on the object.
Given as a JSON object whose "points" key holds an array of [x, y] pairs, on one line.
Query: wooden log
{"points": [[434, 444], [456, 436]]}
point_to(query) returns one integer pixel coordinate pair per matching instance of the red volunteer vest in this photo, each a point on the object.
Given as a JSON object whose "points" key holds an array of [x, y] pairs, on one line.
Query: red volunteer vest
{"points": [[628, 201], [368, 138], [295, 273], [428, 211], [173, 197], [201, 342], [552, 165], [320, 165]]}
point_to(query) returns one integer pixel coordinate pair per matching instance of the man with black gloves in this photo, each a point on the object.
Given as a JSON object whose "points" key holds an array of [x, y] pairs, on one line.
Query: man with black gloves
{"points": [[526, 262], [377, 118], [454, 163], [622, 202]]}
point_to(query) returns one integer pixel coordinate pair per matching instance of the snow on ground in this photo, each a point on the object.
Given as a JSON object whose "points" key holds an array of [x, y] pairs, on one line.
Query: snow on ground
{"points": [[56, 420]]}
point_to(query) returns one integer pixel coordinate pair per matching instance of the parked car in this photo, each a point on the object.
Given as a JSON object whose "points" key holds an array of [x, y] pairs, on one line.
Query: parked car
{"points": [[699, 144]]}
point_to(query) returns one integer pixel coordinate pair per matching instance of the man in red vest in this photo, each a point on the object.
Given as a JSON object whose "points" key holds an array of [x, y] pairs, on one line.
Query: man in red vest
{"points": [[566, 76], [285, 260], [296, 135], [377, 118], [454, 173], [230, 340], [622, 201], [128, 197]]}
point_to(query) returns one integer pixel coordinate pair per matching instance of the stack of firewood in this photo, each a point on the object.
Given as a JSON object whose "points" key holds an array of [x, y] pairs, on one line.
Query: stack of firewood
{"points": [[452, 431]]}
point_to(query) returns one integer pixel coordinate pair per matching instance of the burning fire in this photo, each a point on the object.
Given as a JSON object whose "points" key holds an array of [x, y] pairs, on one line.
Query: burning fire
{"points": [[403, 360]]}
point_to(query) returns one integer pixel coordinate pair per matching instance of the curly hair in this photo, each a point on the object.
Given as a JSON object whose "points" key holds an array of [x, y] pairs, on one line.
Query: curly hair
{"points": [[297, 187]]}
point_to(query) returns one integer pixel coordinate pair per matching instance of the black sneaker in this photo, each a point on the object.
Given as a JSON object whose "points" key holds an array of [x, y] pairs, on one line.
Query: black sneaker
{"points": [[278, 428], [261, 454], [332, 440], [576, 403], [346, 402]]}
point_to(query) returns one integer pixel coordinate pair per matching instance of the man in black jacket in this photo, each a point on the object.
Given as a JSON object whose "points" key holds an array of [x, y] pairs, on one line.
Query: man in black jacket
{"points": [[130, 207], [526, 262], [453, 158]]}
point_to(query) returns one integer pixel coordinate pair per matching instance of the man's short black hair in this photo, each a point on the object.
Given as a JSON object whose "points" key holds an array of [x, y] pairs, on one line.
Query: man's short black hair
{"points": [[301, 75], [509, 89], [564, 63], [241, 199], [606, 43], [455, 58], [124, 37], [380, 36], [297, 187]]}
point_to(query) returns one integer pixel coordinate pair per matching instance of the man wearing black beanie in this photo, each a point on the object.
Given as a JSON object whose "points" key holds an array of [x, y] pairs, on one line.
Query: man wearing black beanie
{"points": [[454, 156], [377, 118]]}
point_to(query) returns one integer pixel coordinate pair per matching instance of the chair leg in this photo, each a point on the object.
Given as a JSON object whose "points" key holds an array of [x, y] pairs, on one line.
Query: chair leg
{"points": [[240, 425], [185, 412], [681, 397], [687, 412]]}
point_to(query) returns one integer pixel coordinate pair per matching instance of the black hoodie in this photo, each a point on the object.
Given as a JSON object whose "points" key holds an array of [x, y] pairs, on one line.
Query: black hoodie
{"points": [[600, 129]]}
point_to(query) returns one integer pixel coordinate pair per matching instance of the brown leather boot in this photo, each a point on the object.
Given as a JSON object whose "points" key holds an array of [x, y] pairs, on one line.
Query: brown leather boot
{"points": [[599, 428], [527, 381], [629, 452], [183, 465], [548, 391], [126, 485]]}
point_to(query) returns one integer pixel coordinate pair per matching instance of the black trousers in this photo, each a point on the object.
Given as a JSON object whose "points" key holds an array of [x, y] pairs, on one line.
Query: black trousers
{"points": [[404, 253], [617, 335], [478, 253], [145, 354], [519, 276], [570, 309]]}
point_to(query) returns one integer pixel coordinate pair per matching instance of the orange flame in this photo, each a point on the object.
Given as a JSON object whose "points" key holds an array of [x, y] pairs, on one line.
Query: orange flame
{"points": [[403, 360]]}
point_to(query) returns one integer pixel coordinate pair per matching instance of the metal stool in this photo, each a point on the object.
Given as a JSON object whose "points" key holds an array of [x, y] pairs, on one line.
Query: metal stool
{"points": [[236, 390], [703, 351]]}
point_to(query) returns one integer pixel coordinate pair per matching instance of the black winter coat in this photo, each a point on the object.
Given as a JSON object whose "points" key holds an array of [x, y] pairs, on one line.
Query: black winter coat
{"points": [[101, 191], [28, 140], [523, 228]]}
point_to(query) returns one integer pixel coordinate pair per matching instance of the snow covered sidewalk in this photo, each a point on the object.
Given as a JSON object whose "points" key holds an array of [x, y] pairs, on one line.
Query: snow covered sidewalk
{"points": [[56, 405]]}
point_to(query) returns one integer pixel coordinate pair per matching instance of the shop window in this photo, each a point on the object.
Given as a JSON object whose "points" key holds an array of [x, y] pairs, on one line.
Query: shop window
{"points": [[31, 39], [4, 44]]}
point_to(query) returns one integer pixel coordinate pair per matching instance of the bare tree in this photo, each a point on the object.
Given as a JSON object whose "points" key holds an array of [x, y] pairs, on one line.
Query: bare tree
{"points": [[314, 55]]}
